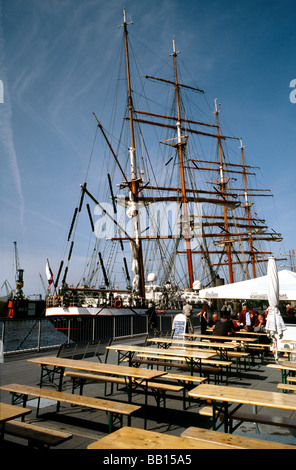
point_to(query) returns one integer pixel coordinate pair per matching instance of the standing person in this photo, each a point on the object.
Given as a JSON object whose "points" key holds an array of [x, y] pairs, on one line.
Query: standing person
{"points": [[188, 312], [226, 309], [152, 318], [203, 318]]}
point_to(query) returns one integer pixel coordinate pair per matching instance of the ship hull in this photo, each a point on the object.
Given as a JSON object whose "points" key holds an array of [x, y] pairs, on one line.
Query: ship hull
{"points": [[86, 311], [102, 311]]}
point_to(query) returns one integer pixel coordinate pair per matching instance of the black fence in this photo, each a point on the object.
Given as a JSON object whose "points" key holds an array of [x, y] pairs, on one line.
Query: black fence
{"points": [[34, 335]]}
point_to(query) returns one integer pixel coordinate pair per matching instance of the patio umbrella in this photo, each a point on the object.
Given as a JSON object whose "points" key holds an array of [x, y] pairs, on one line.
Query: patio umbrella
{"points": [[275, 325]]}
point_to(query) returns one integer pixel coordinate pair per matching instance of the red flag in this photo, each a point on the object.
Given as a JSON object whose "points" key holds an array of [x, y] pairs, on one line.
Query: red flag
{"points": [[49, 274]]}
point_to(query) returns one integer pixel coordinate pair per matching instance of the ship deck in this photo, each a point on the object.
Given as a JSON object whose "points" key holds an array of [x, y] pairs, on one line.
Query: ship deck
{"points": [[88, 425]]}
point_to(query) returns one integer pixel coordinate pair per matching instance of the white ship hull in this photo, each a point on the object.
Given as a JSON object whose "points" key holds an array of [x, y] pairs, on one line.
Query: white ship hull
{"points": [[81, 311]]}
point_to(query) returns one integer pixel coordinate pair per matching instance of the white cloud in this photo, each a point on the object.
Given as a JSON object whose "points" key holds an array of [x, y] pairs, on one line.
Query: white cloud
{"points": [[6, 132]]}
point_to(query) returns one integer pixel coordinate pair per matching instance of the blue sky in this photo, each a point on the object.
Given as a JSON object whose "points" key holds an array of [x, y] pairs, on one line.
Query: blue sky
{"points": [[56, 63]]}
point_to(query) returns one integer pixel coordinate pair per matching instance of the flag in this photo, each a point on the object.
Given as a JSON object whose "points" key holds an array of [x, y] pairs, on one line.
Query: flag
{"points": [[49, 274]]}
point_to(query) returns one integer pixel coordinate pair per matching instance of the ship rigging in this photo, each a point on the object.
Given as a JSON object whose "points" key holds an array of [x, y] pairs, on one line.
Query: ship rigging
{"points": [[182, 196]]}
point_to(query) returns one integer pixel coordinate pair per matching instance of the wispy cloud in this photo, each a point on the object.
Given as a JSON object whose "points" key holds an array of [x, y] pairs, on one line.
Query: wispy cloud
{"points": [[6, 133]]}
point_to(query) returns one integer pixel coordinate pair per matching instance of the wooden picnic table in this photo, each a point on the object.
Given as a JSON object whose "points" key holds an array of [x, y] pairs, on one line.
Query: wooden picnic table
{"points": [[286, 351], [227, 395], [135, 438], [60, 364], [222, 346], [211, 337], [255, 333], [9, 412], [286, 367], [193, 358], [191, 438], [168, 341]]}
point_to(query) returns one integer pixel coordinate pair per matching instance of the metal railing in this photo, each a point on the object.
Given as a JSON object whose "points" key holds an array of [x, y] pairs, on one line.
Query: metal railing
{"points": [[34, 335]]}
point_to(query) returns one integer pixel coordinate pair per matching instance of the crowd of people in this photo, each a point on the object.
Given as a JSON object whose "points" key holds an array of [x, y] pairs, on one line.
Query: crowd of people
{"points": [[232, 319]]}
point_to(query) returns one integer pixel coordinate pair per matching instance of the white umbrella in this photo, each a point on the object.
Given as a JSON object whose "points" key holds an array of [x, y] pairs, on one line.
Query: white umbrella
{"points": [[275, 325]]}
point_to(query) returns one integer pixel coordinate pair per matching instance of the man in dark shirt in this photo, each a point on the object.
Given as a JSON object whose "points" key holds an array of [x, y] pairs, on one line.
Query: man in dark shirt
{"points": [[213, 321], [223, 327]]}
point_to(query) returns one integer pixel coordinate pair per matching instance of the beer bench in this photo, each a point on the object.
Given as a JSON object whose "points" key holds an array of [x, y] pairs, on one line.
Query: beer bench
{"points": [[209, 366], [291, 387], [114, 409], [287, 369], [258, 349], [250, 417], [37, 436], [237, 356], [159, 389], [223, 397]]}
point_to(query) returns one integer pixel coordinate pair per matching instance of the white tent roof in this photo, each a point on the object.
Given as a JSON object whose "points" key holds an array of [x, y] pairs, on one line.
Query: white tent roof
{"points": [[255, 289]]}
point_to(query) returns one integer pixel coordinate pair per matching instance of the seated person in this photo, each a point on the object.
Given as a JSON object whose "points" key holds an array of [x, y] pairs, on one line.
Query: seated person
{"points": [[247, 317], [260, 324], [213, 321], [223, 327]]}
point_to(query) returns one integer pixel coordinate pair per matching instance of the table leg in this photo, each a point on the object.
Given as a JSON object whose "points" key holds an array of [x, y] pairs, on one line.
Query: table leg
{"points": [[146, 402], [256, 424]]}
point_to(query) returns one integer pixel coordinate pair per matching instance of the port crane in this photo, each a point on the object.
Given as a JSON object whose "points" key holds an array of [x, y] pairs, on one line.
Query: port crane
{"points": [[19, 275]]}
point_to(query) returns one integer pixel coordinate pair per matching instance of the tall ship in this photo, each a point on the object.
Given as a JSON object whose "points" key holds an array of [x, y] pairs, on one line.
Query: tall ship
{"points": [[170, 206]]}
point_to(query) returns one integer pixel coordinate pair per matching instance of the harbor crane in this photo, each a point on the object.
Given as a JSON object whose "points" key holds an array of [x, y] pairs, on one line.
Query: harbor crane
{"points": [[19, 275]]}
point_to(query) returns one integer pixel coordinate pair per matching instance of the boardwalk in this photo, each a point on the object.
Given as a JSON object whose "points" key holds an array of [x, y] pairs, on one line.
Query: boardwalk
{"points": [[88, 425]]}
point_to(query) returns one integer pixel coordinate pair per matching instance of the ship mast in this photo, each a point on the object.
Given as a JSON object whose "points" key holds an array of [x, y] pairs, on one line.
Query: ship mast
{"points": [[247, 206], [223, 186], [138, 266], [180, 147]]}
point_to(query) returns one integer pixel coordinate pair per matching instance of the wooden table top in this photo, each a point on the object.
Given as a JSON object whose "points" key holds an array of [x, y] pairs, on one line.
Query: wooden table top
{"points": [[241, 442], [291, 365], [8, 412], [99, 367], [245, 396], [211, 337], [242, 332], [227, 345], [169, 351], [135, 438]]}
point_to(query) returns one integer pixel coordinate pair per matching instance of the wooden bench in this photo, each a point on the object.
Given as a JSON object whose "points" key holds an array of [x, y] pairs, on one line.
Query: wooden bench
{"points": [[187, 381], [291, 387], [159, 389], [237, 356], [287, 369], [37, 436], [250, 417], [240, 442], [209, 366], [113, 409], [260, 349], [291, 379]]}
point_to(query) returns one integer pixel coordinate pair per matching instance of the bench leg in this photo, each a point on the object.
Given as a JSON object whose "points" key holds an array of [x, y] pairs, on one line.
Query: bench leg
{"points": [[21, 398], [112, 418]]}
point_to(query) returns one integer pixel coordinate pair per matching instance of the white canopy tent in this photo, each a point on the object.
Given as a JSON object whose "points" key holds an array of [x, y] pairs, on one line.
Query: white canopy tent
{"points": [[255, 289]]}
